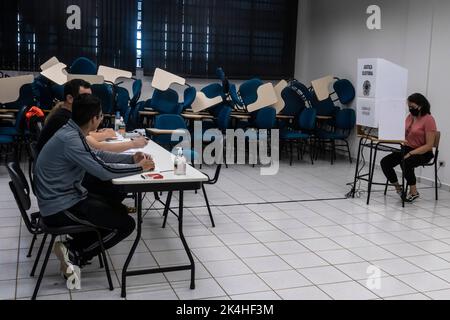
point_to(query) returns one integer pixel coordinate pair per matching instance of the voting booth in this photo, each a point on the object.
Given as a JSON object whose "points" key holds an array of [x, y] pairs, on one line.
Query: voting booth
{"points": [[381, 97]]}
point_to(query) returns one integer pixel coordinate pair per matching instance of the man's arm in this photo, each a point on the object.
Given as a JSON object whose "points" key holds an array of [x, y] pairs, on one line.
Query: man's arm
{"points": [[103, 134], [116, 146], [103, 165]]}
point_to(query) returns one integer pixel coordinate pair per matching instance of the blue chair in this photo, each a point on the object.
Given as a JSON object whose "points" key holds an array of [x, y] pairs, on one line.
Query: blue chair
{"points": [[190, 94], [104, 93], [17, 129], [306, 125], [294, 104], [7, 146], [137, 91], [168, 122], [304, 91], [344, 124], [211, 91], [122, 100], [248, 91], [42, 91], [344, 90], [83, 65], [166, 102], [58, 92]]}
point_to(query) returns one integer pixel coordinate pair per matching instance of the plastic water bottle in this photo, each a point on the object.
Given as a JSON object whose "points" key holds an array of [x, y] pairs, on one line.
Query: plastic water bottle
{"points": [[117, 121], [122, 127], [180, 163]]}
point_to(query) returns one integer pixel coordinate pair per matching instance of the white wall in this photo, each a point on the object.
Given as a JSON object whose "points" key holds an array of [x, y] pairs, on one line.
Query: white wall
{"points": [[415, 34]]}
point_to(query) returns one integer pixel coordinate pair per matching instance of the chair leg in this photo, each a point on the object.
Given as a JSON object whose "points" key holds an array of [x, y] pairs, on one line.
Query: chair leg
{"points": [[311, 152], [436, 180], [386, 187], [44, 265], [207, 205], [166, 208], [31, 246], [38, 257], [100, 260], [291, 152], [105, 261], [156, 196]]}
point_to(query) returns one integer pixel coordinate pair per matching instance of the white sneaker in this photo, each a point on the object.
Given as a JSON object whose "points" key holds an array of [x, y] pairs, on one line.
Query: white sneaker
{"points": [[69, 271]]}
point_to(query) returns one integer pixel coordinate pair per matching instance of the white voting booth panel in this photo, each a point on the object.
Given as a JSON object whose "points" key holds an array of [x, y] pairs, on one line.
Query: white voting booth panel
{"points": [[381, 97]]}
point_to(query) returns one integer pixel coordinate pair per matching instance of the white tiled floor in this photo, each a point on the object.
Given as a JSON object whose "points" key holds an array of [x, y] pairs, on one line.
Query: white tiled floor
{"points": [[298, 247]]}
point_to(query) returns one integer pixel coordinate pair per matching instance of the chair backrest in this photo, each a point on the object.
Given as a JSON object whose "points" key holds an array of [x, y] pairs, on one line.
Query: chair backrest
{"points": [[190, 94], [213, 90], [104, 93], [249, 90], [20, 119], [266, 118], [325, 107], [165, 102], [83, 65], [122, 99], [307, 119], [21, 191], [58, 92], [137, 91], [293, 102], [345, 119], [307, 95], [220, 73], [345, 91], [43, 93], [168, 122]]}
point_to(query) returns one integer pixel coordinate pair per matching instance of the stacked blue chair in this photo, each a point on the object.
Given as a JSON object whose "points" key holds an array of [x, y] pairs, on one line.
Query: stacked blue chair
{"points": [[166, 102], [344, 124], [344, 90], [306, 126], [83, 65], [189, 96], [215, 90]]}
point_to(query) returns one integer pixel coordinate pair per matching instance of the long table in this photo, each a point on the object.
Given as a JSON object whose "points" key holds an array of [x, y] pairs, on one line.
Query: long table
{"points": [[137, 185]]}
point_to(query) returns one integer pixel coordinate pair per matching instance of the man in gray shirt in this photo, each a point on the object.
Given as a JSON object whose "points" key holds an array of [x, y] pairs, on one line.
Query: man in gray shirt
{"points": [[62, 200]]}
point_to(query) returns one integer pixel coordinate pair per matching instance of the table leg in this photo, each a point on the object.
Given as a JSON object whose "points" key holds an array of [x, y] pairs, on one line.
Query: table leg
{"points": [[357, 168], [373, 157], [138, 201], [183, 240]]}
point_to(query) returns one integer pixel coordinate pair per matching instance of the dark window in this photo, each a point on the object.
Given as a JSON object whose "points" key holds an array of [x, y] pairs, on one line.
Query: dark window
{"points": [[8, 35], [107, 35], [246, 37]]}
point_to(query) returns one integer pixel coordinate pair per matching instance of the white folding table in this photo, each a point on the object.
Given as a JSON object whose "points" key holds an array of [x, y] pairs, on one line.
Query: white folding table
{"points": [[137, 185]]}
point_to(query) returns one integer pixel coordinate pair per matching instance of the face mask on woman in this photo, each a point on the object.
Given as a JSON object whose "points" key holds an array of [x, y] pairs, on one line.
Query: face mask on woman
{"points": [[415, 112]]}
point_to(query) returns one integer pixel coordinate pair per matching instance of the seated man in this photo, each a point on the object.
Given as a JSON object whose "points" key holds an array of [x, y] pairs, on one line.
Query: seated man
{"points": [[62, 112], [62, 200]]}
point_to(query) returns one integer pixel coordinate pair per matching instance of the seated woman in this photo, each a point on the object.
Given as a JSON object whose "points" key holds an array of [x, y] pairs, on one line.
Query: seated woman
{"points": [[418, 150]]}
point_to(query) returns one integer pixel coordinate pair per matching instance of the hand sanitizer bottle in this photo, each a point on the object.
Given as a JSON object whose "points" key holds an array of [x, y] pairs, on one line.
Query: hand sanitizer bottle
{"points": [[117, 121], [180, 163], [122, 127]]}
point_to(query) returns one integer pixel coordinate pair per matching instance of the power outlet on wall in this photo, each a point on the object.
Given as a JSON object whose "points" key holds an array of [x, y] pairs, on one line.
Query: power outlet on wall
{"points": [[442, 164]]}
